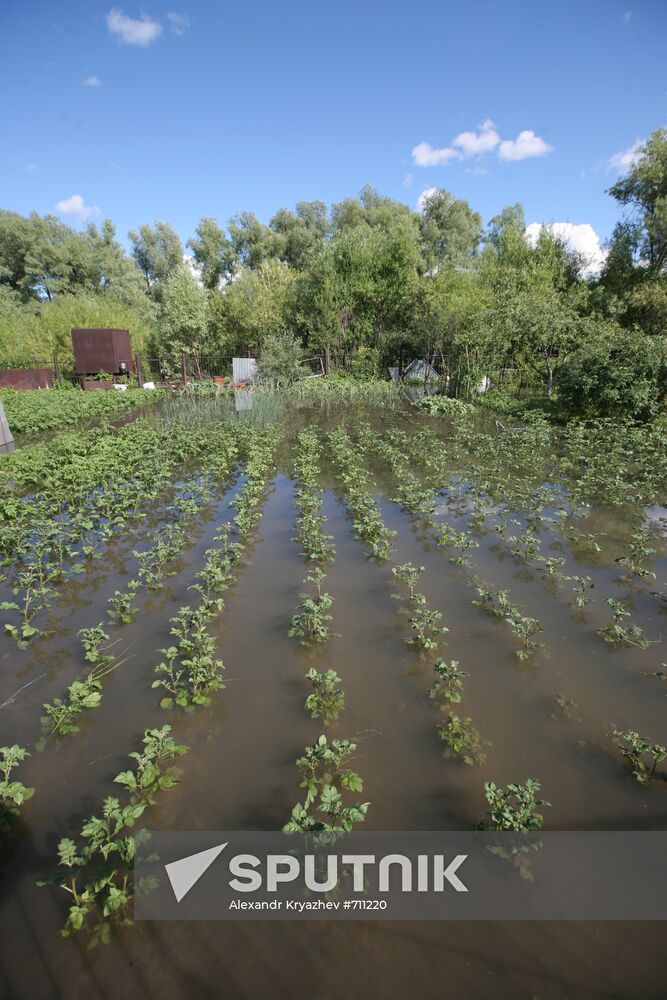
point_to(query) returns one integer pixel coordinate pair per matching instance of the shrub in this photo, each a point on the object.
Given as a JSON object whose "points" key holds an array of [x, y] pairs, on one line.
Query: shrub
{"points": [[445, 404], [280, 362], [614, 375]]}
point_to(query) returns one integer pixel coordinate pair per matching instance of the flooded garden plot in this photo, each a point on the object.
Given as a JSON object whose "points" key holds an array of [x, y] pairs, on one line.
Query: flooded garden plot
{"points": [[343, 614]]}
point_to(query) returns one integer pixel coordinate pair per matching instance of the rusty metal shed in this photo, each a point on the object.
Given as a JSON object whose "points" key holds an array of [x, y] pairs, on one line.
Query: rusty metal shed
{"points": [[26, 378], [101, 350]]}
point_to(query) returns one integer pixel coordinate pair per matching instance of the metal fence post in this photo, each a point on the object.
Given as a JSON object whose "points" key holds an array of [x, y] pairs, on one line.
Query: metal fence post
{"points": [[137, 365], [184, 370]]}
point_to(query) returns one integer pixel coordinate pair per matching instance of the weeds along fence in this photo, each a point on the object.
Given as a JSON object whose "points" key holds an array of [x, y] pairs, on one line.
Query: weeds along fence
{"points": [[456, 377]]}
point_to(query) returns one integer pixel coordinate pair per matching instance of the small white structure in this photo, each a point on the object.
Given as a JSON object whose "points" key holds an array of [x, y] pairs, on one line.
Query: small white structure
{"points": [[120, 386], [483, 386], [244, 369], [6, 436], [148, 385], [420, 369]]}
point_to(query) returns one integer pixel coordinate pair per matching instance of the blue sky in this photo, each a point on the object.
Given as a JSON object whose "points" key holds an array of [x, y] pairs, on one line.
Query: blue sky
{"points": [[143, 111]]}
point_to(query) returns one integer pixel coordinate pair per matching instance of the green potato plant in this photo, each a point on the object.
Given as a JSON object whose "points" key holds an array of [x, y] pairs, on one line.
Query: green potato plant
{"points": [[327, 699], [12, 793], [635, 557], [460, 541], [326, 780], [449, 685], [643, 755], [513, 808], [408, 575], [362, 508], [462, 739], [425, 627], [582, 585], [618, 634]]}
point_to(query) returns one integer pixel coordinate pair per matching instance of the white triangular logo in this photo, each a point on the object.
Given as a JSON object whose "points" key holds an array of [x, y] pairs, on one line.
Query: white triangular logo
{"points": [[184, 873]]}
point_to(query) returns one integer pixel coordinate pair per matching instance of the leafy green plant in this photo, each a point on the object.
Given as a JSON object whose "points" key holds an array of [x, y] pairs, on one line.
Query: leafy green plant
{"points": [[92, 640], [81, 695], [408, 575], [445, 405], [12, 793], [524, 547], [497, 604], [424, 624], [461, 737], [327, 700], [325, 779], [617, 634], [310, 623], [413, 495], [190, 671], [122, 610], [449, 685], [582, 584], [637, 553], [153, 563], [513, 808], [643, 755], [149, 775], [362, 508], [34, 587], [460, 541], [97, 873], [525, 629]]}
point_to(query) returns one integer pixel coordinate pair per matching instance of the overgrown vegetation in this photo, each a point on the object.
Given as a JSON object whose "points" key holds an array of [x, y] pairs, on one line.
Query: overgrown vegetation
{"points": [[371, 282]]}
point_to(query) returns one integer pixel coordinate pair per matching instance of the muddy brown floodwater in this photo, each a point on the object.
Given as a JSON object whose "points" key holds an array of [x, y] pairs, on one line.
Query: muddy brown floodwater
{"points": [[240, 772]]}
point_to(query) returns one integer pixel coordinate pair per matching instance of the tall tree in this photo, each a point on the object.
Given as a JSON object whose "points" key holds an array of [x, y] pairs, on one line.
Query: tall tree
{"points": [[644, 191], [183, 315], [157, 251], [303, 231], [450, 230], [213, 253]]}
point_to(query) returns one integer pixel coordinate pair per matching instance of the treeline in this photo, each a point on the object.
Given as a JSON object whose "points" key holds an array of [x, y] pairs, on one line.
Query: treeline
{"points": [[372, 281]]}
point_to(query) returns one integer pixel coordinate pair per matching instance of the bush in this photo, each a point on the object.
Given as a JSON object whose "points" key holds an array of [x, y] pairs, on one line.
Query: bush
{"points": [[280, 361], [614, 375], [445, 404]]}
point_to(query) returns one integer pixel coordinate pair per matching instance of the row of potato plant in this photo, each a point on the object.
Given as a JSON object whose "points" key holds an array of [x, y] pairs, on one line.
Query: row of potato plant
{"points": [[512, 808], [49, 536], [327, 808], [153, 568], [97, 871], [361, 505]]}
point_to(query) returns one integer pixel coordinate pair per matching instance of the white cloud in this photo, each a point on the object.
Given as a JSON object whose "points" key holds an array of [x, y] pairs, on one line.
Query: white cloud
{"points": [[525, 145], [424, 155], [486, 140], [579, 237], [478, 143], [31, 167], [424, 196], [133, 31], [178, 23], [479, 171], [76, 206], [407, 180], [92, 81], [626, 159]]}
